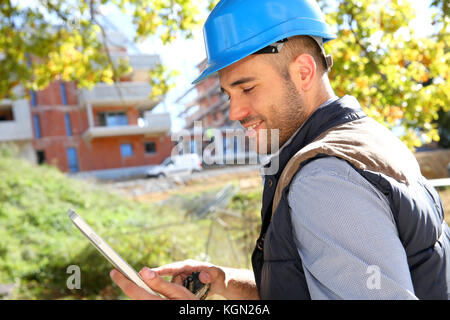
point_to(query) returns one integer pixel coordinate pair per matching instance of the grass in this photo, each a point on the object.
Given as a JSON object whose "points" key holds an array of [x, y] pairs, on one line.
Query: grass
{"points": [[39, 242]]}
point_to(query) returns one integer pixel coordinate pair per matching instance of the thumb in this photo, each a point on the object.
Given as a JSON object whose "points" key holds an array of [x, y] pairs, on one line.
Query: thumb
{"points": [[169, 290], [211, 274]]}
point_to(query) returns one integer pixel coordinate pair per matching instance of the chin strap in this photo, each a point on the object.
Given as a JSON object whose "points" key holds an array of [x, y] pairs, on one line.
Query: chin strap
{"points": [[328, 58], [329, 61]]}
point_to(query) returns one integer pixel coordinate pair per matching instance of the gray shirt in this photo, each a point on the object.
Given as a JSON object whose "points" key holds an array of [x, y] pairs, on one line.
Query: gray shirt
{"points": [[346, 235]]}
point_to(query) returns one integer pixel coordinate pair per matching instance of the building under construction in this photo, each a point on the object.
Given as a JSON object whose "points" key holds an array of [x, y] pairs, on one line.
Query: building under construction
{"points": [[108, 129]]}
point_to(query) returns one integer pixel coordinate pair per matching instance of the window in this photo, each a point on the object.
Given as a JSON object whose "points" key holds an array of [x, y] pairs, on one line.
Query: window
{"points": [[33, 98], [6, 113], [112, 119], [126, 150], [167, 161], [72, 160], [40, 156], [101, 117], [62, 89], [37, 126], [68, 124], [150, 147]]}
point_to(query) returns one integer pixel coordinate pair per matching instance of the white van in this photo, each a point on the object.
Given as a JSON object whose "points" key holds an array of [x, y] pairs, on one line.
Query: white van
{"points": [[186, 163]]}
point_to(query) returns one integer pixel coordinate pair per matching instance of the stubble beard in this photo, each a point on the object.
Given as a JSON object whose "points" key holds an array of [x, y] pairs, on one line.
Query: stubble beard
{"points": [[287, 118]]}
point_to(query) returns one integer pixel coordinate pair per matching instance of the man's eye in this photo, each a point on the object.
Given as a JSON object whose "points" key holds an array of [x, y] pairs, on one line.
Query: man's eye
{"points": [[248, 90]]}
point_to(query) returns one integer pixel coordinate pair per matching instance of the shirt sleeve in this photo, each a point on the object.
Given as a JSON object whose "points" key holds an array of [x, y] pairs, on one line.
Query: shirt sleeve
{"points": [[346, 235]]}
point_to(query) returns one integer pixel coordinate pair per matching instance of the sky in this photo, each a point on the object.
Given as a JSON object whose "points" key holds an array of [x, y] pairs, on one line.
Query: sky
{"points": [[184, 55]]}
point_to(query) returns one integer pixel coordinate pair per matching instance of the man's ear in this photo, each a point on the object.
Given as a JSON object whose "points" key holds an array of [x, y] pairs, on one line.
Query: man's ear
{"points": [[303, 71]]}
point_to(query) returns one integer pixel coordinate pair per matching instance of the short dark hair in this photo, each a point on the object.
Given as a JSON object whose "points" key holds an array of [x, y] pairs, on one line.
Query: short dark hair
{"points": [[291, 49]]}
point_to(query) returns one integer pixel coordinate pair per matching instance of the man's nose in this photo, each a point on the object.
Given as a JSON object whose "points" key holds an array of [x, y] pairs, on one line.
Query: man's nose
{"points": [[238, 110]]}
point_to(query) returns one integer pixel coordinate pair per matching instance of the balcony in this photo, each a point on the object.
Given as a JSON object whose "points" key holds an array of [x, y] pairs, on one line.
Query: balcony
{"points": [[120, 94], [138, 62], [17, 126], [200, 114], [158, 123]]}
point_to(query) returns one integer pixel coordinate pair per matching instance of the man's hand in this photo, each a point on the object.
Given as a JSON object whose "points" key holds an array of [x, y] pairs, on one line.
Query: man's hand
{"points": [[229, 283], [172, 291], [209, 273]]}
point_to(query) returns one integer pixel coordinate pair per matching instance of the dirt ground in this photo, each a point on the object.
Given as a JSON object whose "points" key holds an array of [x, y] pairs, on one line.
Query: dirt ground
{"points": [[245, 180], [445, 197], [433, 164]]}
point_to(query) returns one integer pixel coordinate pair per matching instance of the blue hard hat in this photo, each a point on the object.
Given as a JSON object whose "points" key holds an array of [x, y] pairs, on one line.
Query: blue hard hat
{"points": [[237, 28]]}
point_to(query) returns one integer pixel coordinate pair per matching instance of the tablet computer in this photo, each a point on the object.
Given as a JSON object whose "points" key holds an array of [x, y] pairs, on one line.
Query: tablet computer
{"points": [[108, 252]]}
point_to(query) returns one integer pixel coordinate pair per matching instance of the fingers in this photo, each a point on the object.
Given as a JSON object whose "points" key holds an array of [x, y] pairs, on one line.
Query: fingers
{"points": [[155, 282], [132, 290], [182, 267], [216, 278], [174, 289], [178, 279], [168, 289]]}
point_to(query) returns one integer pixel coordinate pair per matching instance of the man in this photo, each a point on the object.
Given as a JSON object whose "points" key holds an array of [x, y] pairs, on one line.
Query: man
{"points": [[347, 215]]}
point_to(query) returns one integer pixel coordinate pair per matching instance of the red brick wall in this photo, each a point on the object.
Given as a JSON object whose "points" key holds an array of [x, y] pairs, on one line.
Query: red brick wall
{"points": [[51, 95], [79, 121], [52, 121], [133, 116], [103, 153], [71, 93]]}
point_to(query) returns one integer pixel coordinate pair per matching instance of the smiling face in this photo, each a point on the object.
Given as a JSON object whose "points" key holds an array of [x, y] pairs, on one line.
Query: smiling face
{"points": [[263, 100]]}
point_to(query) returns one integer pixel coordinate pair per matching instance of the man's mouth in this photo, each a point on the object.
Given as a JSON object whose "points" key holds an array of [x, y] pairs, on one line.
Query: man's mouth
{"points": [[252, 128]]}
